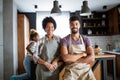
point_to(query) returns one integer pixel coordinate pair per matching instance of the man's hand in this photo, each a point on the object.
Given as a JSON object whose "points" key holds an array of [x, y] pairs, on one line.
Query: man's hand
{"points": [[84, 54]]}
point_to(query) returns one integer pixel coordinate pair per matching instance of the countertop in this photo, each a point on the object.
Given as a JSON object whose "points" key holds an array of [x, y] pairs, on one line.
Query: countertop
{"points": [[104, 55], [112, 52]]}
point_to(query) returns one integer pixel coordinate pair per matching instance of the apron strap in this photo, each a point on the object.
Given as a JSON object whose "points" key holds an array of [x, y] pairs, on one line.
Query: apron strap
{"points": [[70, 43]]}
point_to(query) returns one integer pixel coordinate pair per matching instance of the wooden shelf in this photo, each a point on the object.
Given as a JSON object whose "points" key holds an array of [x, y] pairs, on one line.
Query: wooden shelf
{"points": [[97, 24], [92, 18], [95, 27], [97, 35]]}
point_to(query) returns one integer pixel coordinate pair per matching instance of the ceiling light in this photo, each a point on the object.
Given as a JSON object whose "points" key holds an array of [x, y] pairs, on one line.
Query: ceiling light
{"points": [[104, 7], [85, 10], [35, 6], [56, 8]]}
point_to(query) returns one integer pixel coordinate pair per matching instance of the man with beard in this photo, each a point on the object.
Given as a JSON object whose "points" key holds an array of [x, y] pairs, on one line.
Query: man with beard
{"points": [[77, 53]]}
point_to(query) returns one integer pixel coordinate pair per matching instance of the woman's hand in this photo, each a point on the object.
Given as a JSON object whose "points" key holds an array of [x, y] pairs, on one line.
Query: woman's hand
{"points": [[55, 64], [49, 66]]}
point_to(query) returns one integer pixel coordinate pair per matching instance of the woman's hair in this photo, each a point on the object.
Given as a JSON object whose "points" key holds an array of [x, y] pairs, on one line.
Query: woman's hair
{"points": [[33, 34], [47, 20]]}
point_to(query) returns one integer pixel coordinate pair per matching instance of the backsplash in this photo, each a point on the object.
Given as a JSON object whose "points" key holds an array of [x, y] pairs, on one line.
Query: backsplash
{"points": [[116, 40], [103, 41]]}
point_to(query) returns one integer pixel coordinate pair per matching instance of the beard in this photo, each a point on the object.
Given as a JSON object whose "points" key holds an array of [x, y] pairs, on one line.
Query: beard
{"points": [[74, 30]]}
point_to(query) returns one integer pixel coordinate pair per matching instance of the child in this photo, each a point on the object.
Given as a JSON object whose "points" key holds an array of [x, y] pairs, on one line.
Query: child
{"points": [[34, 37]]}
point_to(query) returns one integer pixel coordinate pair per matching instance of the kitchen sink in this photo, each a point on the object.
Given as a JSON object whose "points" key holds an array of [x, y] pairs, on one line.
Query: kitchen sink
{"points": [[117, 51]]}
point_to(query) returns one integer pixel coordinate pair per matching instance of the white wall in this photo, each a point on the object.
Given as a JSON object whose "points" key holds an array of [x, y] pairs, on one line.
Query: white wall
{"points": [[1, 40], [15, 43], [9, 38]]}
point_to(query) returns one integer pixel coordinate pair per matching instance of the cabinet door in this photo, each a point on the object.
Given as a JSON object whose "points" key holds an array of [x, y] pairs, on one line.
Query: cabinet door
{"points": [[113, 21], [23, 40]]}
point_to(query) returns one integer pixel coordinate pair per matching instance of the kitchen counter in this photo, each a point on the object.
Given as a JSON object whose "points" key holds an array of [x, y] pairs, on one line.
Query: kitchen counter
{"points": [[117, 54], [112, 52], [103, 59], [104, 55]]}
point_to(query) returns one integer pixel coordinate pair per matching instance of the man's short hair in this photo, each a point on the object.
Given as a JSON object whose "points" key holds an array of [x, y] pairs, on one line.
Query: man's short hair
{"points": [[74, 18]]}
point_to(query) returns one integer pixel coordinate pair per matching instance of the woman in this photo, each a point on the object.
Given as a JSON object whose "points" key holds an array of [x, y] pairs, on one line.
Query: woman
{"points": [[47, 53]]}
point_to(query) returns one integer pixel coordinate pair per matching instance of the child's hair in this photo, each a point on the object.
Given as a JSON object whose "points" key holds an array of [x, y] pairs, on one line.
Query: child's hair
{"points": [[33, 34]]}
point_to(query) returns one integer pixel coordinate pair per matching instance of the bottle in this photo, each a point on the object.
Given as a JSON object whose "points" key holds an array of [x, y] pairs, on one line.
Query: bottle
{"points": [[84, 24], [103, 23], [108, 46], [103, 16]]}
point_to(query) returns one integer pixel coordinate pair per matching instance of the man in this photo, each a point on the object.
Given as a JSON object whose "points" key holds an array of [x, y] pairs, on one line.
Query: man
{"points": [[77, 53]]}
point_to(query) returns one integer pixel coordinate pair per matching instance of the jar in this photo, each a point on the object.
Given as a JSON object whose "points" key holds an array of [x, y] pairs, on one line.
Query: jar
{"points": [[84, 24], [103, 16], [89, 31], [97, 50], [103, 23]]}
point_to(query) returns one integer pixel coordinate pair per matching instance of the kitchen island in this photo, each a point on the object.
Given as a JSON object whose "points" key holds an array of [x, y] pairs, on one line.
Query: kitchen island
{"points": [[117, 54], [103, 59]]}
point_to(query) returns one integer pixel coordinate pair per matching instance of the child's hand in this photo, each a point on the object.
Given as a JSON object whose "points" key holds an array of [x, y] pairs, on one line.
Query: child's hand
{"points": [[31, 59]]}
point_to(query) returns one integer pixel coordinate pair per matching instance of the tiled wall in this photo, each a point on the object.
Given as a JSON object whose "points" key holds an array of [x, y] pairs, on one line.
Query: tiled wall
{"points": [[116, 37], [116, 40], [102, 41]]}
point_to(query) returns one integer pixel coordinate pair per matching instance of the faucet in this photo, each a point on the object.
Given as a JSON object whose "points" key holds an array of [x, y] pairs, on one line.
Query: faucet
{"points": [[108, 46]]}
